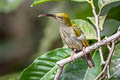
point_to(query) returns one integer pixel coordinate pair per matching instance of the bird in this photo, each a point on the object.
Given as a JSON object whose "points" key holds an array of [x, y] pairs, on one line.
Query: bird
{"points": [[72, 36]]}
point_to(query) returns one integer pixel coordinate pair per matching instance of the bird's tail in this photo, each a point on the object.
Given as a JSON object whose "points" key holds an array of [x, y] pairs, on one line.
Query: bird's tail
{"points": [[89, 60]]}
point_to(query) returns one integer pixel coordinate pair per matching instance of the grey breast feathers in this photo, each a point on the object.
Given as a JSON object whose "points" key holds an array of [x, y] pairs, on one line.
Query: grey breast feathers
{"points": [[70, 39]]}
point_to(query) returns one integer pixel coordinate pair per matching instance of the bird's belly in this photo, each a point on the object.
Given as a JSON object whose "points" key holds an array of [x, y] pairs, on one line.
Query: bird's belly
{"points": [[73, 43]]}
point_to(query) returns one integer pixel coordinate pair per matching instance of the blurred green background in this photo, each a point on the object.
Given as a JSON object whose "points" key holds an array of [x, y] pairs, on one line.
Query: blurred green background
{"points": [[23, 35]]}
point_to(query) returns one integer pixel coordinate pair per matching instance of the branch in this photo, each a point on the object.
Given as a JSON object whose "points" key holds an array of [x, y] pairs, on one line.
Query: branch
{"points": [[98, 31], [108, 67], [60, 69], [108, 71], [63, 62], [108, 61]]}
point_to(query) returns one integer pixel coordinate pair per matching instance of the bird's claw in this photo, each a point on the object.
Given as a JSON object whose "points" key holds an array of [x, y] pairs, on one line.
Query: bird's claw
{"points": [[72, 55], [84, 52]]}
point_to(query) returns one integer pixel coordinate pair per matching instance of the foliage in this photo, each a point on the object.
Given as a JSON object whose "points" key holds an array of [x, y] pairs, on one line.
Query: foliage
{"points": [[44, 67], [115, 64], [79, 70], [38, 2]]}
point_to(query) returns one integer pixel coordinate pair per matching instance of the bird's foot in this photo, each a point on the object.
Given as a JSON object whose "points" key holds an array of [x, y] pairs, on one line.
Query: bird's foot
{"points": [[84, 52], [72, 55]]}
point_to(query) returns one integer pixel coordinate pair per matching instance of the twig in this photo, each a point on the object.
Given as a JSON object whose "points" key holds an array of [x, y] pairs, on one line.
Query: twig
{"points": [[60, 69], [108, 67], [63, 62], [98, 32], [108, 71], [119, 37], [108, 46], [108, 60]]}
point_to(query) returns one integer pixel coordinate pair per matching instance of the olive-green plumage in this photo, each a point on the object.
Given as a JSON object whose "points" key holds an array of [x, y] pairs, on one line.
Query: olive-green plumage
{"points": [[72, 36]]}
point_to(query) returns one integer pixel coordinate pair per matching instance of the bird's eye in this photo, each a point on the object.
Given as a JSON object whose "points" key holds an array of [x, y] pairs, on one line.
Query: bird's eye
{"points": [[61, 17]]}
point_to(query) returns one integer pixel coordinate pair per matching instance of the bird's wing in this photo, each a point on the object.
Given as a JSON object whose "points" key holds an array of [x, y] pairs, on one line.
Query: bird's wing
{"points": [[80, 35]]}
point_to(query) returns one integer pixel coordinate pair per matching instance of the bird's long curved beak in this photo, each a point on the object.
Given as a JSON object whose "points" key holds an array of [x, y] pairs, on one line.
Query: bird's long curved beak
{"points": [[51, 15]]}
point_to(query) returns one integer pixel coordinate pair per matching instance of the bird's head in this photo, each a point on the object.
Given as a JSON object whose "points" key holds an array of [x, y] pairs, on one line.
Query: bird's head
{"points": [[62, 18]]}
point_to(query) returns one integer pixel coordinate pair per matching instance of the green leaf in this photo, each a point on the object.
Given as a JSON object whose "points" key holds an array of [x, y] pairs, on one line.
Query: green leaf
{"points": [[92, 19], [110, 26], [44, 67], [79, 0], [9, 5], [91, 74], [101, 21], [38, 2], [106, 5], [88, 30], [50, 74], [79, 70], [115, 64]]}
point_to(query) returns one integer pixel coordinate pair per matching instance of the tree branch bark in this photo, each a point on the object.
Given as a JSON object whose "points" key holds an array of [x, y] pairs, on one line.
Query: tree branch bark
{"points": [[108, 61], [98, 32], [60, 69]]}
